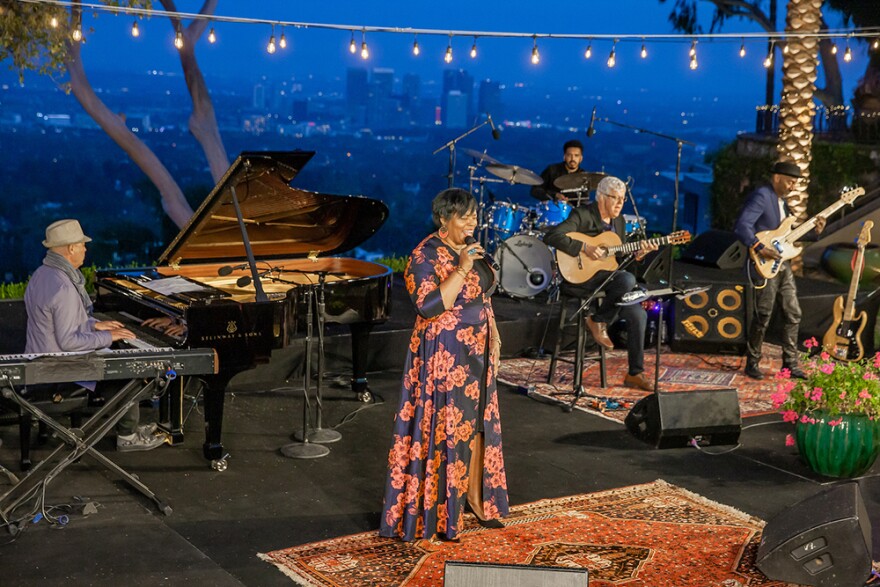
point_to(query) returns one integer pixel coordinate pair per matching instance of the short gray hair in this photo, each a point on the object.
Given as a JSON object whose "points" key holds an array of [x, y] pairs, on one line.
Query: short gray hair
{"points": [[610, 184]]}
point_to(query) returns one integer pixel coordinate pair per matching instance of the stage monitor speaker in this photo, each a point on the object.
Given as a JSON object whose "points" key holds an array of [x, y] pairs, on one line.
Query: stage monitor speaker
{"points": [[824, 540], [713, 321], [716, 248], [654, 268], [672, 419], [464, 574]]}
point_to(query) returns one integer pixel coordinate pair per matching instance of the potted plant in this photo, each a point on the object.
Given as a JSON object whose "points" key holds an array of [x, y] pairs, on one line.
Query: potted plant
{"points": [[835, 410]]}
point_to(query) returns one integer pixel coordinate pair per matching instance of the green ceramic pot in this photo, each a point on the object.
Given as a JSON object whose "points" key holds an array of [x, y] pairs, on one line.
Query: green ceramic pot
{"points": [[846, 450]]}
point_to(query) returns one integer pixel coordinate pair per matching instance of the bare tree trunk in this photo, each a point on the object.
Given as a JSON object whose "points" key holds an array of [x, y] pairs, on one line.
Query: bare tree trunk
{"points": [[202, 121], [797, 109], [173, 201]]}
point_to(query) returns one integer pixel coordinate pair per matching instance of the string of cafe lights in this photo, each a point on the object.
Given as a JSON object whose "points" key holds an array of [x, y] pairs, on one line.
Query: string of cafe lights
{"points": [[781, 39]]}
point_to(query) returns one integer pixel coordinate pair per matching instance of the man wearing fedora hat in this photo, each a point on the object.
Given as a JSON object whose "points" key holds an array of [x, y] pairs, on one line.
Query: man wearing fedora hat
{"points": [[765, 209], [59, 318]]}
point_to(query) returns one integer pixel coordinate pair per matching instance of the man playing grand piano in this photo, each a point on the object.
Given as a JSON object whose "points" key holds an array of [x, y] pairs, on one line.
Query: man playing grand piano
{"points": [[59, 319]]}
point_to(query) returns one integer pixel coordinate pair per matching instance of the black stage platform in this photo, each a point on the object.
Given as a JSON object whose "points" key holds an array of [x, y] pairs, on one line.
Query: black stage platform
{"points": [[264, 501]]}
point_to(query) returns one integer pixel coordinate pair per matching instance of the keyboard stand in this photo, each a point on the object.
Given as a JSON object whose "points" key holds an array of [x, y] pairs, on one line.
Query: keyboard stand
{"points": [[78, 442]]}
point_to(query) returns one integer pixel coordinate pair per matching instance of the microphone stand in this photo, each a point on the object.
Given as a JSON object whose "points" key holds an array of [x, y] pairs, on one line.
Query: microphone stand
{"points": [[305, 449], [451, 146], [641, 229], [679, 143]]}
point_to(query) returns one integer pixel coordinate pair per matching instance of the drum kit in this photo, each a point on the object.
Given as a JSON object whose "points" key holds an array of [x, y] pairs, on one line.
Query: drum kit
{"points": [[514, 233]]}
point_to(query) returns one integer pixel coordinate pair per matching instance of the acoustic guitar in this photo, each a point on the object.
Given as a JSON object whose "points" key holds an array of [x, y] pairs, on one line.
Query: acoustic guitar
{"points": [[843, 340], [783, 239], [581, 268]]}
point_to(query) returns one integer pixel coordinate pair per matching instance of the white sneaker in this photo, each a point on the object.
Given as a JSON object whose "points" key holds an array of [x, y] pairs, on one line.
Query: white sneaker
{"points": [[138, 442], [146, 429]]}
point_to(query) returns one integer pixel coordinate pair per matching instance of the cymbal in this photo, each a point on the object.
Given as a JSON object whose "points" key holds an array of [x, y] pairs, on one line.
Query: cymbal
{"points": [[581, 180], [480, 156], [514, 174]]}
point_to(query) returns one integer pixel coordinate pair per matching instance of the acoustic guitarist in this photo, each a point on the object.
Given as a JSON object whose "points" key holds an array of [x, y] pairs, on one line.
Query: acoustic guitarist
{"points": [[765, 209], [591, 220]]}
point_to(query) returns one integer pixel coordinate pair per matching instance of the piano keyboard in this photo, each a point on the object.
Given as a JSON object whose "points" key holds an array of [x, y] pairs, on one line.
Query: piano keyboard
{"points": [[139, 344]]}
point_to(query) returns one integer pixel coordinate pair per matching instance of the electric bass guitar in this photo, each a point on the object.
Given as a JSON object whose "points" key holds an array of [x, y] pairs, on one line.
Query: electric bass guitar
{"points": [[843, 340], [581, 268], [783, 239]]}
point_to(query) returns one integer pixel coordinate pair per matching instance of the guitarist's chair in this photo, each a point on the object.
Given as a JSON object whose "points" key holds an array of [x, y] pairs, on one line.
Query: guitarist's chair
{"points": [[580, 349]]}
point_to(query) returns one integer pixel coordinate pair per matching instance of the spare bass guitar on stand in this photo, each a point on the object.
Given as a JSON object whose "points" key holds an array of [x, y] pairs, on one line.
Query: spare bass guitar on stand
{"points": [[843, 340]]}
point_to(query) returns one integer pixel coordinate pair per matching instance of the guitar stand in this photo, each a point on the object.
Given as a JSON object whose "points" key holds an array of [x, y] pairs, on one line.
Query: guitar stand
{"points": [[79, 441]]}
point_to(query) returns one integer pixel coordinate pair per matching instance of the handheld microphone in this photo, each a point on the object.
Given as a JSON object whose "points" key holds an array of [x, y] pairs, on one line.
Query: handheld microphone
{"points": [[591, 130], [227, 269], [486, 257], [496, 134]]}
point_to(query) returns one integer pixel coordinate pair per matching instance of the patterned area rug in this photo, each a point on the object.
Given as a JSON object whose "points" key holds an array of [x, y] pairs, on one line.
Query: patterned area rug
{"points": [[652, 535], [678, 372]]}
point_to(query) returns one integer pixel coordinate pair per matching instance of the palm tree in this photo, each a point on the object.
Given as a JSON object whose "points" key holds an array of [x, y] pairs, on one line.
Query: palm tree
{"points": [[796, 107]]}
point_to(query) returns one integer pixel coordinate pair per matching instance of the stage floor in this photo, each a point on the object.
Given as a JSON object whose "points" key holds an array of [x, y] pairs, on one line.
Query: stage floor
{"points": [[265, 502]]}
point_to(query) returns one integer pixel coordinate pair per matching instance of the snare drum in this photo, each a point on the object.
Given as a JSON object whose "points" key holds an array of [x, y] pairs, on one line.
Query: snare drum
{"points": [[526, 266], [507, 219], [552, 213]]}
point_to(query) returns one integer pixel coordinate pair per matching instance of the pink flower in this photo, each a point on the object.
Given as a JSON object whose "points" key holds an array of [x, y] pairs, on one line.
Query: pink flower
{"points": [[877, 360], [789, 416], [817, 394], [811, 342], [779, 398], [827, 368], [864, 394], [783, 373], [869, 376], [842, 395], [825, 356], [835, 422], [789, 440]]}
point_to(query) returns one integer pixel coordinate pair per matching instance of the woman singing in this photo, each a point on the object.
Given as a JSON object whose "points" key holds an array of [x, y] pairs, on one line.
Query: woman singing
{"points": [[446, 449]]}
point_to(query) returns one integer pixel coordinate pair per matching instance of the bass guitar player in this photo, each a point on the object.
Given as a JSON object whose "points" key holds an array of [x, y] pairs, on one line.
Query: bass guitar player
{"points": [[764, 209]]}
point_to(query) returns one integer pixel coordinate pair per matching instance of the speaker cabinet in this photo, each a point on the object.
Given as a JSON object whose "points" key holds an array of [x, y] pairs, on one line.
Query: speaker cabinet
{"points": [[672, 419], [716, 248], [824, 540], [713, 321], [462, 574]]}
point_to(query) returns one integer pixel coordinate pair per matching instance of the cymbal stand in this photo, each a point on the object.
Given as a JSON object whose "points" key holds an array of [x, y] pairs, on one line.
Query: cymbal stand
{"points": [[451, 146], [640, 231], [319, 434], [305, 449], [483, 218]]}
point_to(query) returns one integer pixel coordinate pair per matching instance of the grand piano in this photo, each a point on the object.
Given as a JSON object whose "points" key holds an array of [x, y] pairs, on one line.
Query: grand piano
{"points": [[238, 273]]}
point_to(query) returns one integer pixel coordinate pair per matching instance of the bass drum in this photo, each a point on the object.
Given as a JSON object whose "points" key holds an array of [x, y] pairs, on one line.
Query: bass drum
{"points": [[526, 266]]}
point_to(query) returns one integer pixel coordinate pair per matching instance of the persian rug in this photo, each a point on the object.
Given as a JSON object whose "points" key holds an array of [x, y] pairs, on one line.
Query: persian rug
{"points": [[651, 535], [680, 372]]}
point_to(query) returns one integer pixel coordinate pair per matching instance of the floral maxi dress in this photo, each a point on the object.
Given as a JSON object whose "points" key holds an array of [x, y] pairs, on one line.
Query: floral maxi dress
{"points": [[447, 378]]}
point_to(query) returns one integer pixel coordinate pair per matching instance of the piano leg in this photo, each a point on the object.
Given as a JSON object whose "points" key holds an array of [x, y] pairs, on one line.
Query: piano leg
{"points": [[171, 410], [360, 344], [214, 395]]}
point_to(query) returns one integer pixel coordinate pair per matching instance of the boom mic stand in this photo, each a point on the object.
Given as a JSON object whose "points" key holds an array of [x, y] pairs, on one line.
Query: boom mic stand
{"points": [[451, 146], [679, 143]]}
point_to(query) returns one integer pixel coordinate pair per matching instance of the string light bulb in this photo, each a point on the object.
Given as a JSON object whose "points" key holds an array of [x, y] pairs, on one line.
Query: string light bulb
{"points": [[352, 47], [474, 49], [612, 60], [693, 63], [212, 36], [282, 42], [693, 49], [536, 57], [742, 49], [178, 39], [270, 46], [365, 52], [416, 49], [876, 44], [644, 52], [77, 33], [768, 61], [833, 48], [448, 56], [589, 52], [847, 55], [53, 22], [135, 31]]}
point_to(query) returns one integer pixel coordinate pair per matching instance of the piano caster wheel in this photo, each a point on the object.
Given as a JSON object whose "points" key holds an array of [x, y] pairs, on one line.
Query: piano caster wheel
{"points": [[165, 508], [365, 396], [219, 465]]}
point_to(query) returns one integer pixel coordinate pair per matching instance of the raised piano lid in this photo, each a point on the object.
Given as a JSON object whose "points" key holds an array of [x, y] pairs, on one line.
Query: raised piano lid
{"points": [[282, 221]]}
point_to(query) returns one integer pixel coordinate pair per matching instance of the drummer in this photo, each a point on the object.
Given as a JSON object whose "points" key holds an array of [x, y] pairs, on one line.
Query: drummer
{"points": [[573, 154]]}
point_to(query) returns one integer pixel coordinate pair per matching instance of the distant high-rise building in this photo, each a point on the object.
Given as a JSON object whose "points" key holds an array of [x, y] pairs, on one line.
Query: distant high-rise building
{"points": [[456, 111], [457, 80], [356, 95], [259, 98], [489, 99]]}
